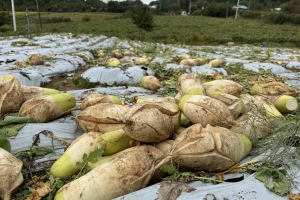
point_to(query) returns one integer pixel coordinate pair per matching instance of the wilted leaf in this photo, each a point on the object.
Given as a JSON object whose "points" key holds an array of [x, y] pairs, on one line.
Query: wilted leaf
{"points": [[294, 196], [41, 190], [273, 178], [171, 190]]}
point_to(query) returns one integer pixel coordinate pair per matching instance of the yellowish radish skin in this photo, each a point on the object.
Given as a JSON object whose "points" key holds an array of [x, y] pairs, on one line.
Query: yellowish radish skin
{"points": [[112, 179], [111, 142], [190, 83]]}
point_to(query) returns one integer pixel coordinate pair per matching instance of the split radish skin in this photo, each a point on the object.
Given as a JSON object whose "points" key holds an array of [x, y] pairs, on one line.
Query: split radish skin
{"points": [[11, 97], [103, 117], [210, 149], [228, 86], [47, 108], [112, 179], [206, 110], [10, 174], [111, 142], [96, 98], [273, 89], [190, 83], [152, 122]]}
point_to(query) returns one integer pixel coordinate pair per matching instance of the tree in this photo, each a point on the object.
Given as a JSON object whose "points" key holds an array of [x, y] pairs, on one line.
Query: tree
{"points": [[142, 17]]}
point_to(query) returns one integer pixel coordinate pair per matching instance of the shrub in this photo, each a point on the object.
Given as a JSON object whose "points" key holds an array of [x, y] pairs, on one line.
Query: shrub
{"points": [[250, 14], [218, 10], [86, 19], [5, 18], [142, 17], [198, 12], [66, 19], [275, 18]]}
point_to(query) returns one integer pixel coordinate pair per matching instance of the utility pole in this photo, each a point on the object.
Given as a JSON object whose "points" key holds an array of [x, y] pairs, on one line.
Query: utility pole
{"points": [[13, 13], [237, 9], [37, 6], [190, 7], [249, 5]]}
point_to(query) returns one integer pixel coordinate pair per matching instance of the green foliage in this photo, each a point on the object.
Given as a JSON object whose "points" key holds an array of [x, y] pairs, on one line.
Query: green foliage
{"points": [[142, 18], [82, 82], [86, 18], [5, 18], [275, 179], [218, 10], [92, 157]]}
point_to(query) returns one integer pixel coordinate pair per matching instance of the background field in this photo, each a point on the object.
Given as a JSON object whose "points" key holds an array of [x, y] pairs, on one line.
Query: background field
{"points": [[171, 29]]}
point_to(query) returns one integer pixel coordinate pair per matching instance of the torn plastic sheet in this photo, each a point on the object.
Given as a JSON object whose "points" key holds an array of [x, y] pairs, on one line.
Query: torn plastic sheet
{"points": [[203, 69], [117, 75], [248, 188], [27, 76]]}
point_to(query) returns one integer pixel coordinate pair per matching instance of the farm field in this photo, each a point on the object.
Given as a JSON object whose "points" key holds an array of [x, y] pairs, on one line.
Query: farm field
{"points": [[76, 59], [169, 29]]}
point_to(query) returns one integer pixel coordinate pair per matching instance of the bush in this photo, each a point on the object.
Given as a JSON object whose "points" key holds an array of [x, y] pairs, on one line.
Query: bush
{"points": [[198, 12], [250, 14], [218, 10], [5, 18], [66, 19], [142, 17], [275, 18], [86, 19]]}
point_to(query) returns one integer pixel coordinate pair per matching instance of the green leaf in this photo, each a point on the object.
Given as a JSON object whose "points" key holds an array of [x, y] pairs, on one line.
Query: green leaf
{"points": [[4, 143], [16, 120], [95, 155], [42, 151], [274, 179], [79, 165], [169, 168]]}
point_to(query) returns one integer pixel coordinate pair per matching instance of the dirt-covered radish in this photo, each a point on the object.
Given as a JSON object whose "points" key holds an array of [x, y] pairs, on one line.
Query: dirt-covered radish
{"points": [[11, 96], [152, 122], [103, 117], [206, 110], [190, 83], [10, 174], [48, 107], [210, 149], [113, 179], [110, 142], [30, 92]]}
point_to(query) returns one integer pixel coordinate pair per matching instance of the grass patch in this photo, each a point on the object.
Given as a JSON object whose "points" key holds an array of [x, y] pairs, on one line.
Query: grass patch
{"points": [[191, 30]]}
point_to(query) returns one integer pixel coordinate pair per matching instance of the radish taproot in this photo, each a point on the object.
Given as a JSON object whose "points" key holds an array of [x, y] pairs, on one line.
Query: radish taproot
{"points": [[48, 107], [10, 174], [103, 117], [112, 179], [110, 142], [152, 122], [273, 89], [151, 83], [210, 149], [190, 83], [30, 92], [11, 97], [206, 110]]}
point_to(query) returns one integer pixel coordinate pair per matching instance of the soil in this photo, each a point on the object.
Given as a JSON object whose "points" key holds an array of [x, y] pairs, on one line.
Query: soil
{"points": [[64, 82]]}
